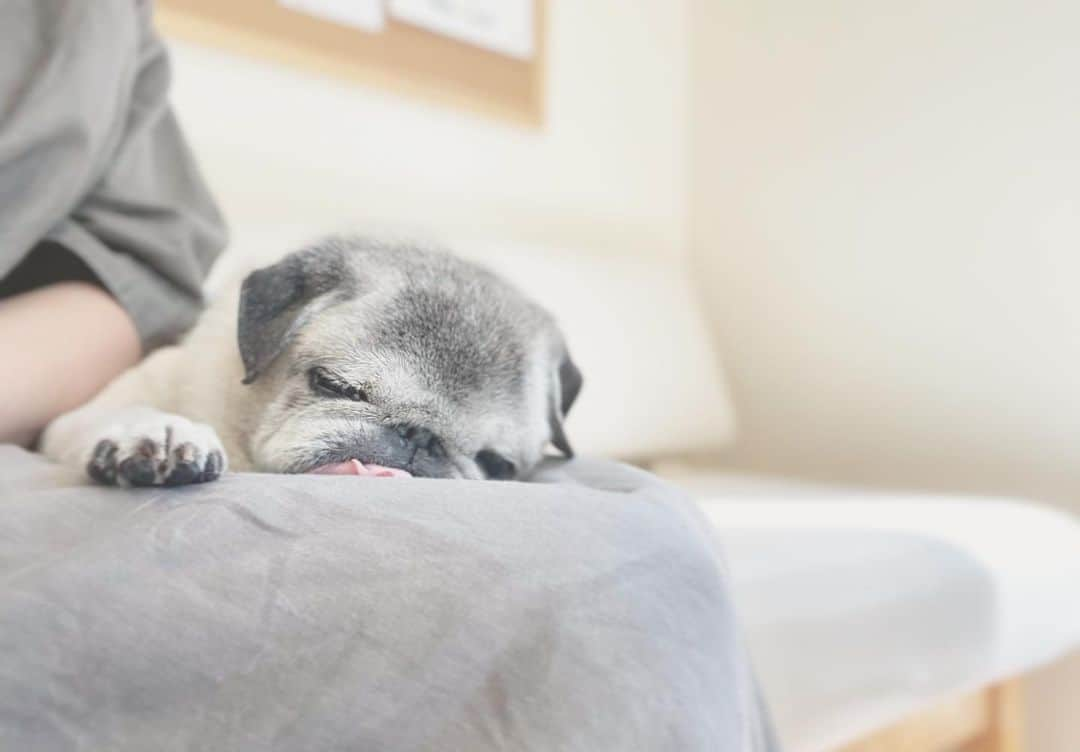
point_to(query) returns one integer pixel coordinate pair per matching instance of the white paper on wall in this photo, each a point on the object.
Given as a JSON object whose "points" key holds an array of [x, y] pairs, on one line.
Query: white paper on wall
{"points": [[504, 26], [368, 15]]}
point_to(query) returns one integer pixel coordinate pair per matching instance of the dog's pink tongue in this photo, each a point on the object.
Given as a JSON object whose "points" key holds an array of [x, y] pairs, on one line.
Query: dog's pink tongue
{"points": [[356, 467]]}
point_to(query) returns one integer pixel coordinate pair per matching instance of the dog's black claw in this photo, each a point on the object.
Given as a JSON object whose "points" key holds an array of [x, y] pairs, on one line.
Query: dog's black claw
{"points": [[146, 448], [185, 466], [138, 470], [102, 464], [183, 474], [214, 464]]}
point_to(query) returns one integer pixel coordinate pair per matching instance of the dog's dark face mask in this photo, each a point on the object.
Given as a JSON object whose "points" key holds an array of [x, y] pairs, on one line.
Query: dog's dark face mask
{"points": [[401, 359]]}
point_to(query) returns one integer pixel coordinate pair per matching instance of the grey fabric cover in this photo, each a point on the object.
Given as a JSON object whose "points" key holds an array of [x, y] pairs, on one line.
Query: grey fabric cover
{"points": [[91, 157], [585, 611]]}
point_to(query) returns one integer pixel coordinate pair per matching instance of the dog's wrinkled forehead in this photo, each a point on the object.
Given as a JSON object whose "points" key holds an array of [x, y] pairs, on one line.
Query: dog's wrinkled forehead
{"points": [[455, 350], [454, 313]]}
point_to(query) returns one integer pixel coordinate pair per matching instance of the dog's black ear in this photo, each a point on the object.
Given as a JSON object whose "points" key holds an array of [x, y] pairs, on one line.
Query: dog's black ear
{"points": [[568, 386], [276, 301]]}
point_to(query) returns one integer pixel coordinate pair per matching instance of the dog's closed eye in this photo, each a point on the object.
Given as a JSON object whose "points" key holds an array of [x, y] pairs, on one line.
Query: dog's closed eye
{"points": [[495, 466], [330, 384]]}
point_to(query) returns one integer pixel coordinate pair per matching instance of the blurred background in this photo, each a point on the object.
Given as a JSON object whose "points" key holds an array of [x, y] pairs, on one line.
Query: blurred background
{"points": [[840, 238]]}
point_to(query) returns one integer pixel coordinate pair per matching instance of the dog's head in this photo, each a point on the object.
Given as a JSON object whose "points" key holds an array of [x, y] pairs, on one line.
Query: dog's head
{"points": [[399, 357]]}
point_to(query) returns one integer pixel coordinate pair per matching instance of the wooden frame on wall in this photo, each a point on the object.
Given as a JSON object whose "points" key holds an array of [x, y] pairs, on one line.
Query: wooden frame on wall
{"points": [[402, 58]]}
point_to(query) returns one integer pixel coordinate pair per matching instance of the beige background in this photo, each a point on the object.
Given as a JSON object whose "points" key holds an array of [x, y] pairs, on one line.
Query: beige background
{"points": [[885, 211], [608, 172]]}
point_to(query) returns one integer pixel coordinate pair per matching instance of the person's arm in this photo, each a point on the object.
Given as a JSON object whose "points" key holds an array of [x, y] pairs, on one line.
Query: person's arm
{"points": [[62, 344], [106, 227]]}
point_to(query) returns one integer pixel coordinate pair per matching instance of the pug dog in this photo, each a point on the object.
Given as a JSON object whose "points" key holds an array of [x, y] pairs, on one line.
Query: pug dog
{"points": [[355, 356]]}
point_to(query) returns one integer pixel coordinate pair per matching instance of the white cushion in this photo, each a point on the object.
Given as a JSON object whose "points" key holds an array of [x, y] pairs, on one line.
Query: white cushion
{"points": [[653, 383], [863, 607]]}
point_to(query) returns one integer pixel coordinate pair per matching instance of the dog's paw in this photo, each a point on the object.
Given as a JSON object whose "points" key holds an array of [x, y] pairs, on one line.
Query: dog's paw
{"points": [[156, 449]]}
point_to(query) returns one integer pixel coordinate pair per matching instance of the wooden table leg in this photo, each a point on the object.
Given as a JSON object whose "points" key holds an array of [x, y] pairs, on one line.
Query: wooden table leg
{"points": [[1005, 731]]}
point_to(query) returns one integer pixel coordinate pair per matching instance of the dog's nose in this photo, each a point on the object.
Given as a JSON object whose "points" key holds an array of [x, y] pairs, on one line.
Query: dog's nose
{"points": [[421, 438], [415, 435]]}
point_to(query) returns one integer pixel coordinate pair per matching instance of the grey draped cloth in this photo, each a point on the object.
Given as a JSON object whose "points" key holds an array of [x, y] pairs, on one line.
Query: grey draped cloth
{"points": [[92, 161], [586, 611]]}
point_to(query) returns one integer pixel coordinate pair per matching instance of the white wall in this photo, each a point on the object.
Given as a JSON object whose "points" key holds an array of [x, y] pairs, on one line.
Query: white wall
{"points": [[885, 210], [887, 205], [606, 172]]}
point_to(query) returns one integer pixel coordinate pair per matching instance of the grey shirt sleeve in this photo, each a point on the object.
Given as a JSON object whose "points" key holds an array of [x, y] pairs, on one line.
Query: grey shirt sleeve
{"points": [[91, 158]]}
